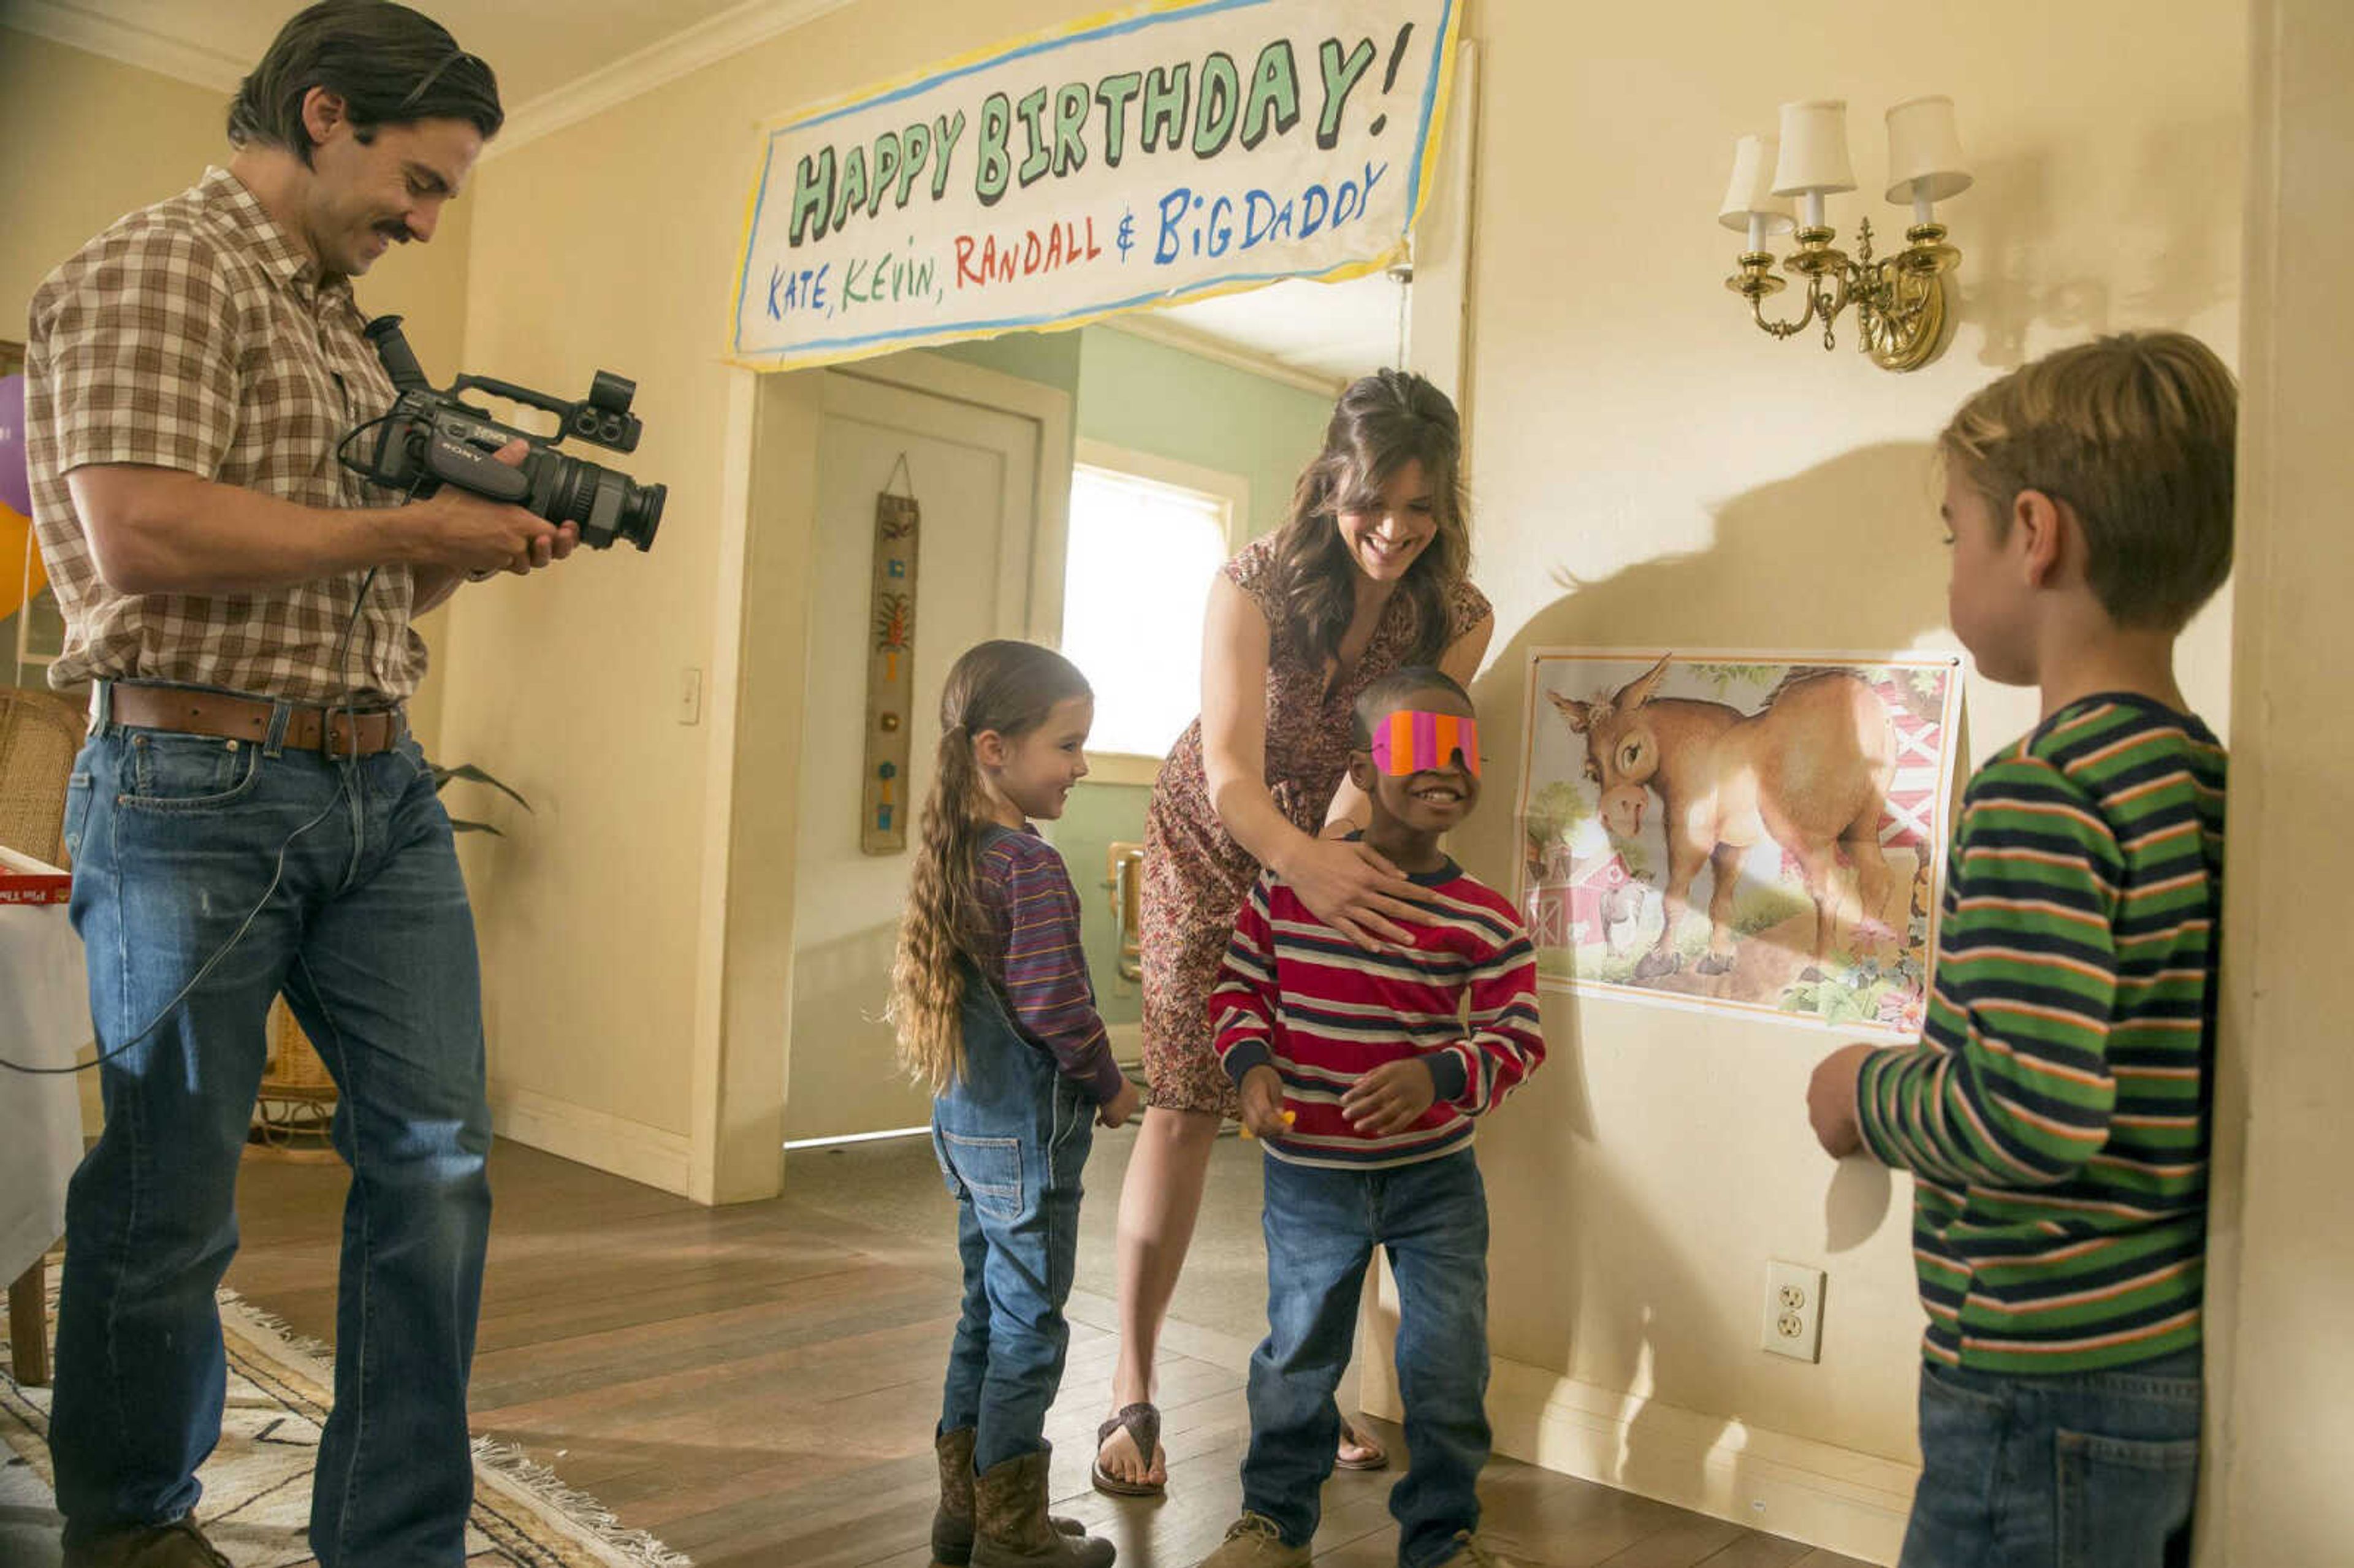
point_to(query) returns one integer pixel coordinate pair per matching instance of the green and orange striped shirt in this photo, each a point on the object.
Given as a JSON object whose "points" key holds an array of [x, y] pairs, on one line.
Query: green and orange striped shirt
{"points": [[2055, 1118]]}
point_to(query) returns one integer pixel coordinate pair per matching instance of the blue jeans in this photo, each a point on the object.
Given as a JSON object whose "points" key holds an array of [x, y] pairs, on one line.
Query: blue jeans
{"points": [[2093, 1471], [1322, 1229], [369, 933], [1011, 1138]]}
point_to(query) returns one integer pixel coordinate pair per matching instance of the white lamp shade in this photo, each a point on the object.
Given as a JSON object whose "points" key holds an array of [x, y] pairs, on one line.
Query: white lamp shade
{"points": [[1814, 149], [1925, 153], [1751, 194]]}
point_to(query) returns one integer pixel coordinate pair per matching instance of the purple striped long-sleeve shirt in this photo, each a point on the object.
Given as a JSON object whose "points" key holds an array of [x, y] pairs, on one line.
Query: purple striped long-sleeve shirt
{"points": [[1029, 895]]}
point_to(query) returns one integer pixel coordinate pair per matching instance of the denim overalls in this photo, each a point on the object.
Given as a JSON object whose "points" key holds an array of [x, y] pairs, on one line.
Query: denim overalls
{"points": [[1012, 1136]]}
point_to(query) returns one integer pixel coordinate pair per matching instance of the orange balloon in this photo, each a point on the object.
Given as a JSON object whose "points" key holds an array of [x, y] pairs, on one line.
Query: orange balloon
{"points": [[15, 546]]}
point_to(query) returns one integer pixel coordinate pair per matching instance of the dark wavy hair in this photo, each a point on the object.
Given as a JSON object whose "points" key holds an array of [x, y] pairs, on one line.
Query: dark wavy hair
{"points": [[1381, 423], [391, 65]]}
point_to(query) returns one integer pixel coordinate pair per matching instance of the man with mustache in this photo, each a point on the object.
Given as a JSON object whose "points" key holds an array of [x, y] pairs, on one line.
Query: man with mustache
{"points": [[249, 814]]}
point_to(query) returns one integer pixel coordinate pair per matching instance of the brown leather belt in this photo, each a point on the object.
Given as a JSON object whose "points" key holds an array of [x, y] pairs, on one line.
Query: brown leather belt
{"points": [[338, 732]]}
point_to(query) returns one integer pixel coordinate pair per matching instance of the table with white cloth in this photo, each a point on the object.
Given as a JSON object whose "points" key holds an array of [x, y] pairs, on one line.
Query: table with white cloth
{"points": [[44, 1021]]}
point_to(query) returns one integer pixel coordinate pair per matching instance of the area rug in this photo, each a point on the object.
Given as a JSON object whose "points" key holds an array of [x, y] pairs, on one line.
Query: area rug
{"points": [[258, 1483]]}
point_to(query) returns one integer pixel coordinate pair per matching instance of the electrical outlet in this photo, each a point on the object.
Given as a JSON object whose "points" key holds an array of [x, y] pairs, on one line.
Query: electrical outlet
{"points": [[690, 695], [1794, 1311]]}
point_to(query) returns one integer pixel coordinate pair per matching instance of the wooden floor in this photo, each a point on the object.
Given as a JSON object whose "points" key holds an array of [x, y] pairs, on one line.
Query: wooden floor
{"points": [[757, 1385]]}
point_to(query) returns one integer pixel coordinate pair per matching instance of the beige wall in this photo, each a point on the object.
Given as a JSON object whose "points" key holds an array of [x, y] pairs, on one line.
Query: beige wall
{"points": [[609, 985], [89, 139], [1633, 436], [1651, 471], [2282, 1420]]}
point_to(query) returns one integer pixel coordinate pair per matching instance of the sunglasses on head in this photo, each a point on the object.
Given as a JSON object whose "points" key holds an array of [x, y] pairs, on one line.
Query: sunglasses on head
{"points": [[1408, 741]]}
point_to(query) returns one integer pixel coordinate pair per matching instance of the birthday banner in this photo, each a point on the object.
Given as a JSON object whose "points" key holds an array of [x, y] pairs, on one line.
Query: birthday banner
{"points": [[1185, 149]]}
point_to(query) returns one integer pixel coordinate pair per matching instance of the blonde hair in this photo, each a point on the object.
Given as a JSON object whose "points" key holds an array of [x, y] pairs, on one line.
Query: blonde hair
{"points": [[2136, 433], [1010, 688]]}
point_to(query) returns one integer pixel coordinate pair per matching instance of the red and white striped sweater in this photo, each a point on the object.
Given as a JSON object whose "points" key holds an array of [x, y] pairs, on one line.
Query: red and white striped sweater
{"points": [[1297, 995]]}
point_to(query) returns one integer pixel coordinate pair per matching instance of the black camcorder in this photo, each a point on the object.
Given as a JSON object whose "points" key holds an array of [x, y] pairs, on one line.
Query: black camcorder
{"points": [[431, 438]]}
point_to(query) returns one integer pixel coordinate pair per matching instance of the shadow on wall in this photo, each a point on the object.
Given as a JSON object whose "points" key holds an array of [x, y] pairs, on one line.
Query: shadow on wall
{"points": [[1844, 556], [845, 1073], [2016, 279]]}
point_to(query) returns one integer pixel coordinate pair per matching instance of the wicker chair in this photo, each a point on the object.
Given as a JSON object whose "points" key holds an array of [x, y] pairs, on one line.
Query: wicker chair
{"points": [[39, 736]]}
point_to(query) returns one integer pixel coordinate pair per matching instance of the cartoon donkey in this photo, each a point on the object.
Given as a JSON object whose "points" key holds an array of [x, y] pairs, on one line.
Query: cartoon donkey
{"points": [[1810, 770]]}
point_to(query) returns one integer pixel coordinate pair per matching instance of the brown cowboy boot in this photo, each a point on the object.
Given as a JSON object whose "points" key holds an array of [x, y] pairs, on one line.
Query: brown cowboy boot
{"points": [[952, 1521], [1011, 1528]]}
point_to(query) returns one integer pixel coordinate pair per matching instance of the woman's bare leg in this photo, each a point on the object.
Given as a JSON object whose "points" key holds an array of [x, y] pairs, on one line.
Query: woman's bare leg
{"points": [[1158, 1202]]}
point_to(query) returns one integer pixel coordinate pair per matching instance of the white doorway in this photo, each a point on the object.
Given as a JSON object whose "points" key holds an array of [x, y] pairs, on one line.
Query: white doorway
{"points": [[975, 468]]}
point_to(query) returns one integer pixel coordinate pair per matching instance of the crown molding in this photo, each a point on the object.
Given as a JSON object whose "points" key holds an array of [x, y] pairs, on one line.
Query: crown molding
{"points": [[713, 39], [124, 41], [1154, 327]]}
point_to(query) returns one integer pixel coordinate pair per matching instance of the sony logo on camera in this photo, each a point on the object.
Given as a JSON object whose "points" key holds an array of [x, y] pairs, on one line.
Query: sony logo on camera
{"points": [[431, 438]]}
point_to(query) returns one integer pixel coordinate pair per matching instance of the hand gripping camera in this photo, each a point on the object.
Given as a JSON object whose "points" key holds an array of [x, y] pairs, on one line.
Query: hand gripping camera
{"points": [[431, 438]]}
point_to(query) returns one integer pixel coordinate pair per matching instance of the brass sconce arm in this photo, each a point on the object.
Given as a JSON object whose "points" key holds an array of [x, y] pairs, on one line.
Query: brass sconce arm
{"points": [[1779, 185], [1900, 300]]}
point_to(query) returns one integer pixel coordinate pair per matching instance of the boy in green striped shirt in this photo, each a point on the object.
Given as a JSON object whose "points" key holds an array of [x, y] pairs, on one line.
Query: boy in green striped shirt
{"points": [[2055, 1118]]}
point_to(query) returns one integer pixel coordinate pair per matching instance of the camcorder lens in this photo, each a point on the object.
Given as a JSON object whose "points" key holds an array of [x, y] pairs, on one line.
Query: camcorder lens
{"points": [[431, 438], [606, 505]]}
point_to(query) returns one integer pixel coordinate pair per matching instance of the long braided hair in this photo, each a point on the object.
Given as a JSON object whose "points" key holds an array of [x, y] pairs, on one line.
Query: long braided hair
{"points": [[1009, 687]]}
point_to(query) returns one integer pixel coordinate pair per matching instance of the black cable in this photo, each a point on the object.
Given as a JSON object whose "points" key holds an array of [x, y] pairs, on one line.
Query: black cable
{"points": [[277, 874]]}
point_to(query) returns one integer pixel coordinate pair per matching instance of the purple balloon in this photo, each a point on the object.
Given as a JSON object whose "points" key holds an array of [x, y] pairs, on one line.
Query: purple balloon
{"points": [[16, 482]]}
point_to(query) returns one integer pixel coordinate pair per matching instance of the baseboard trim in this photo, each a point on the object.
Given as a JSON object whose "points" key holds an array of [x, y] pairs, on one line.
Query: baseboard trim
{"points": [[1819, 1493], [592, 1138]]}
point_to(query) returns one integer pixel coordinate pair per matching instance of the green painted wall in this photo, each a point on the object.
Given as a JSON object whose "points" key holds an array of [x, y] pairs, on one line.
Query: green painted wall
{"points": [[1163, 401], [1052, 358], [1150, 399], [1096, 817]]}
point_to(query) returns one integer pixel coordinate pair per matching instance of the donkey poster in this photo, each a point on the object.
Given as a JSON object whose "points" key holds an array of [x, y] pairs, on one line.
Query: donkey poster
{"points": [[1758, 833]]}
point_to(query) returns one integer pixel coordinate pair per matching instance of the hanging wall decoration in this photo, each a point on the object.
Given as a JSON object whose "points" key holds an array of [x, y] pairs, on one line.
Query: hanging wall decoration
{"points": [[1170, 150], [1740, 833], [890, 669]]}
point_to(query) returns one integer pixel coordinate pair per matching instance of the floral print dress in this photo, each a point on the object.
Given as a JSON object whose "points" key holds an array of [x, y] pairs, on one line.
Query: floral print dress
{"points": [[1196, 875]]}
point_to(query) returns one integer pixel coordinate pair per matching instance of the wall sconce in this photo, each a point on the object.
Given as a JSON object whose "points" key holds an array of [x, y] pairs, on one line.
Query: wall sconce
{"points": [[1900, 300]]}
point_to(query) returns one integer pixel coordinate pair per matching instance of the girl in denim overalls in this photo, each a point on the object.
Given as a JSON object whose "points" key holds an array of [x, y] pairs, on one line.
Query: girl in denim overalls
{"points": [[990, 1000]]}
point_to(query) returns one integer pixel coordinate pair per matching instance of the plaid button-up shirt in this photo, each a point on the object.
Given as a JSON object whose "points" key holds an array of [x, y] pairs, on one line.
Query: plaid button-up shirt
{"points": [[195, 335]]}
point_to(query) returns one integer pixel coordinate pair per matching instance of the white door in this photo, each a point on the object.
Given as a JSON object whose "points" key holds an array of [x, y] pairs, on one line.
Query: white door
{"points": [[974, 471]]}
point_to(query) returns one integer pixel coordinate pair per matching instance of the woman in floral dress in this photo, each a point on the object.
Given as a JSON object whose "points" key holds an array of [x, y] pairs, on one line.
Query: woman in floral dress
{"points": [[1366, 577]]}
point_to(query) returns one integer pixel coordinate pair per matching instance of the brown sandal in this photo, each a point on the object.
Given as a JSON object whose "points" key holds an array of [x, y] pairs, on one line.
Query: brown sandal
{"points": [[1351, 1437], [1142, 1423]]}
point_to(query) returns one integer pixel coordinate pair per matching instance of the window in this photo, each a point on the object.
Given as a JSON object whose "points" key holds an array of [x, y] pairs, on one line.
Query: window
{"points": [[1147, 538]]}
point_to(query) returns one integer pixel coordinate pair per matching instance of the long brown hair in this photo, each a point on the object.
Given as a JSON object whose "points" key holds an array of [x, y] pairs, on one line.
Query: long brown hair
{"points": [[1382, 422], [1009, 687]]}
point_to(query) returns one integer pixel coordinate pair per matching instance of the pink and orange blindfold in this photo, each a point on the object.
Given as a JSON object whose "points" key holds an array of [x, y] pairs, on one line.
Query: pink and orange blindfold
{"points": [[1409, 741]]}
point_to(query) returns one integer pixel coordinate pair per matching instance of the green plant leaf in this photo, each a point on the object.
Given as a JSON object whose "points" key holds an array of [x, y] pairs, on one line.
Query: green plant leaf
{"points": [[472, 774]]}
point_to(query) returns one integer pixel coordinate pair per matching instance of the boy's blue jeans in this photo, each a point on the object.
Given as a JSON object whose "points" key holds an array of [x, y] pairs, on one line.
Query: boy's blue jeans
{"points": [[1322, 1228], [369, 934], [2093, 1470], [1013, 1138]]}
